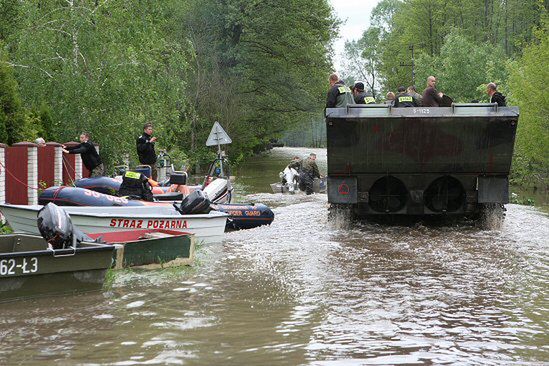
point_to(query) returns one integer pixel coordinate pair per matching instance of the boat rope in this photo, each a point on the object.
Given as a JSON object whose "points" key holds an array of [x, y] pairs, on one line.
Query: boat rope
{"points": [[17, 179], [68, 168], [65, 165]]}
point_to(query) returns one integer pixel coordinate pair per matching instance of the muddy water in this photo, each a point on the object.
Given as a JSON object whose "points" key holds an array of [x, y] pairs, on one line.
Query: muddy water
{"points": [[304, 292]]}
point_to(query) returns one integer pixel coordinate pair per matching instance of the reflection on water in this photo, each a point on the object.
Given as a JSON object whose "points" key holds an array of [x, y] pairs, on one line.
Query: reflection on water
{"points": [[304, 292]]}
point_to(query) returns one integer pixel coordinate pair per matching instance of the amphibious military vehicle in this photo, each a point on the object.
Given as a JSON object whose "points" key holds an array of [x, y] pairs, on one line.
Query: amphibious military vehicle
{"points": [[420, 161]]}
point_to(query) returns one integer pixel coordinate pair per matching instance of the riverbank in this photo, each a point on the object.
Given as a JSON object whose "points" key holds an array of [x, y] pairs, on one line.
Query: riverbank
{"points": [[528, 196]]}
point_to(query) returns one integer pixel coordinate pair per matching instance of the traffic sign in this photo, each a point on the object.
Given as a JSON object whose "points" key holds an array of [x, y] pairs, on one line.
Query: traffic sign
{"points": [[218, 136]]}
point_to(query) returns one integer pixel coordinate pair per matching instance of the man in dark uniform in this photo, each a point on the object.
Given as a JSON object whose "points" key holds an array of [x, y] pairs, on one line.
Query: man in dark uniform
{"points": [[339, 94], [135, 185], [431, 96], [362, 97], [404, 99], [89, 155], [145, 149], [413, 92], [295, 163], [288, 177], [495, 96], [309, 171]]}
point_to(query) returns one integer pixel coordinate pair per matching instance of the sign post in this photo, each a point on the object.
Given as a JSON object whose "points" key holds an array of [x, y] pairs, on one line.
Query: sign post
{"points": [[218, 137]]}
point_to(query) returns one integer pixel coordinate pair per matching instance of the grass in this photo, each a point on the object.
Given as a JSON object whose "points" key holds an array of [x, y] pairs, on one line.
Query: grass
{"points": [[5, 229]]}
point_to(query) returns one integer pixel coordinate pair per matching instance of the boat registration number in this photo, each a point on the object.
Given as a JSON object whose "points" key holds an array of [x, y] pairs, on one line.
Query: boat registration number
{"points": [[10, 267], [149, 224]]}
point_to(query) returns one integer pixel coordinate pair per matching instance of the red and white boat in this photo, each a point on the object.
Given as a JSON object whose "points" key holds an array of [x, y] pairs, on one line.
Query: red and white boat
{"points": [[207, 228]]}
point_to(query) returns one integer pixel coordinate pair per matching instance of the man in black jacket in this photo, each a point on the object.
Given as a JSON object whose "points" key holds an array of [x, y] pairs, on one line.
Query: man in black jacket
{"points": [[362, 97], [89, 155], [339, 94], [145, 149], [495, 96], [403, 99]]}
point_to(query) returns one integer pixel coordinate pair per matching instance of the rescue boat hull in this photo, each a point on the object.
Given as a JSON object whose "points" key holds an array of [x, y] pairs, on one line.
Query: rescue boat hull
{"points": [[208, 228]]}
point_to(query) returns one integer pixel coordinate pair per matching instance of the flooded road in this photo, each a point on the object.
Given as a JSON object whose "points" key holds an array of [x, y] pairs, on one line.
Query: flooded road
{"points": [[303, 292]]}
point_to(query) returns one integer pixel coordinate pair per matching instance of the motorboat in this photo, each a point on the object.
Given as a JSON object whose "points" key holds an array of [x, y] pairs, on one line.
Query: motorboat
{"points": [[241, 216], [208, 228]]}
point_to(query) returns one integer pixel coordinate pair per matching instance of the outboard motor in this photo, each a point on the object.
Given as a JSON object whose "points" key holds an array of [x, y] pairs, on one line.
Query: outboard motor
{"points": [[194, 203], [217, 189], [56, 227]]}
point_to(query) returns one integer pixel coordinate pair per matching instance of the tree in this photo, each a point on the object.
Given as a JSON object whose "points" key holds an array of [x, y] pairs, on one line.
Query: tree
{"points": [[102, 66], [259, 67], [463, 66], [13, 119], [528, 82], [362, 58]]}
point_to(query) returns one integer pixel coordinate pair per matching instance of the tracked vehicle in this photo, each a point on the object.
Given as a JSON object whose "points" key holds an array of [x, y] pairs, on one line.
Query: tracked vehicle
{"points": [[420, 161]]}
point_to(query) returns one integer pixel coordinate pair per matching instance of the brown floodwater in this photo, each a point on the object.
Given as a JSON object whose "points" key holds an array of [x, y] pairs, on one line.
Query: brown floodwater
{"points": [[304, 291]]}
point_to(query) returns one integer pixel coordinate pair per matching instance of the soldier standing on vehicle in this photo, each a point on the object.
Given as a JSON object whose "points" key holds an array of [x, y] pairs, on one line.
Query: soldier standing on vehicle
{"points": [[413, 92], [339, 94], [362, 97], [145, 149], [404, 99], [390, 98], [431, 96], [495, 96], [309, 171]]}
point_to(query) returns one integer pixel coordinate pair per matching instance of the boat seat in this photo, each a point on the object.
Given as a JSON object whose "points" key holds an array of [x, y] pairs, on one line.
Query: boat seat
{"points": [[170, 196]]}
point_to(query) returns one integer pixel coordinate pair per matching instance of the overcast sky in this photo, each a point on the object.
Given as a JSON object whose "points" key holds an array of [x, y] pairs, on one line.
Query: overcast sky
{"points": [[356, 17]]}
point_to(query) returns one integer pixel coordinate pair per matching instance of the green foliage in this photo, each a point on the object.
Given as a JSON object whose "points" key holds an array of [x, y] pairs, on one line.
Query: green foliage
{"points": [[495, 29], [259, 67], [463, 67], [14, 121], [5, 229], [45, 116], [363, 58], [105, 67], [110, 66], [527, 82]]}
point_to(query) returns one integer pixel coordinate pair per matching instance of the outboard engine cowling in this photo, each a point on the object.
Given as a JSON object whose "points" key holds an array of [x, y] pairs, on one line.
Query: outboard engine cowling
{"points": [[55, 225], [194, 203], [216, 189], [57, 229]]}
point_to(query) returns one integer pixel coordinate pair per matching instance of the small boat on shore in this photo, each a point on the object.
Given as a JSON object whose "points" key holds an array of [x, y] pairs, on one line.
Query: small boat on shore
{"points": [[208, 228], [149, 248], [29, 268], [319, 186]]}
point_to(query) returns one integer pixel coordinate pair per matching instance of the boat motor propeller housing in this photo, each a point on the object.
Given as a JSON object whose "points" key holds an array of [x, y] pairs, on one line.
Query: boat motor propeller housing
{"points": [[194, 203], [57, 229]]}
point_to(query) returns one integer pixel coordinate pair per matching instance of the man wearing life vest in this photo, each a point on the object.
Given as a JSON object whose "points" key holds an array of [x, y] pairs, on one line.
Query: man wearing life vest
{"points": [[339, 94], [135, 185], [362, 97], [404, 99]]}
